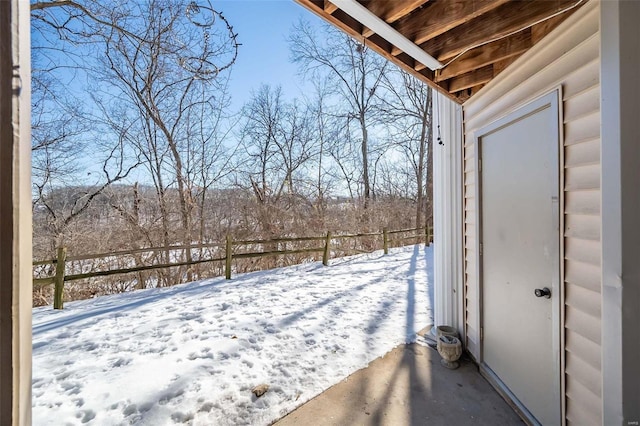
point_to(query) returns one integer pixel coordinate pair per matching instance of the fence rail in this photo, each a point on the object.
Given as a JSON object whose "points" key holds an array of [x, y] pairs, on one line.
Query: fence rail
{"points": [[60, 276]]}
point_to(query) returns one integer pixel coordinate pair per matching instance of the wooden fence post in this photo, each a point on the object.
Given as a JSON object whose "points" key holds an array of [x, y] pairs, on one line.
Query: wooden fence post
{"points": [[385, 241], [59, 280], [426, 234], [227, 265], [327, 244]]}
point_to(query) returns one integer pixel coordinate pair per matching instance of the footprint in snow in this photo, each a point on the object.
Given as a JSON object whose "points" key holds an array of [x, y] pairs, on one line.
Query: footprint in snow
{"points": [[129, 410], [186, 316], [86, 415], [180, 417], [63, 375], [120, 362], [206, 407], [71, 388], [170, 396]]}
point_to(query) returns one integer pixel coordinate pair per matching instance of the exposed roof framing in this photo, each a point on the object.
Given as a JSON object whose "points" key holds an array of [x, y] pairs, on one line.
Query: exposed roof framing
{"points": [[474, 39]]}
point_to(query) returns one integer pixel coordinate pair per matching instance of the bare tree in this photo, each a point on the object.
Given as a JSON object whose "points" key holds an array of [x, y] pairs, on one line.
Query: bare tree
{"points": [[171, 100], [261, 129], [354, 71], [407, 107], [64, 128], [325, 131], [279, 141], [128, 92], [156, 77], [60, 142]]}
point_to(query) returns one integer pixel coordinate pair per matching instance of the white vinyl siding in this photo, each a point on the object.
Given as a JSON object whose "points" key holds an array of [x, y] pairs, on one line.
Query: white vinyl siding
{"points": [[569, 58]]}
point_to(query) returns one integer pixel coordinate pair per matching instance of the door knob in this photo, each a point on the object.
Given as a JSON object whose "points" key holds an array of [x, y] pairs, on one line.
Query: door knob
{"points": [[543, 292]]}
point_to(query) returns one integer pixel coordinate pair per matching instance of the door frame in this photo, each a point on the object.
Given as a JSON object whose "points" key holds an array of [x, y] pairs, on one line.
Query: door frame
{"points": [[551, 100]]}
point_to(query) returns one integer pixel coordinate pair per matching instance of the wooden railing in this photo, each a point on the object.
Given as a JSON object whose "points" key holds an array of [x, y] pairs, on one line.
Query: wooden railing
{"points": [[60, 262]]}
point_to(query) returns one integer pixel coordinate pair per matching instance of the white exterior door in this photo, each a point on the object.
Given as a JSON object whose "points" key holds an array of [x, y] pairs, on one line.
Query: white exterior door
{"points": [[519, 176]]}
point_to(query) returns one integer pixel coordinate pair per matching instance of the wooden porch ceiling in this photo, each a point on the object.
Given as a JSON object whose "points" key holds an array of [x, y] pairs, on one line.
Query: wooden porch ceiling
{"points": [[475, 40]]}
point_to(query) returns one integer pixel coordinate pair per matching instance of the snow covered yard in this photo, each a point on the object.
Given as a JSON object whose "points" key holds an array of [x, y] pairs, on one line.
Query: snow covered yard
{"points": [[191, 354]]}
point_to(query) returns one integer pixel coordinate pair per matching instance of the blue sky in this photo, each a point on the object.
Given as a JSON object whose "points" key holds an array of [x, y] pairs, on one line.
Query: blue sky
{"points": [[263, 27]]}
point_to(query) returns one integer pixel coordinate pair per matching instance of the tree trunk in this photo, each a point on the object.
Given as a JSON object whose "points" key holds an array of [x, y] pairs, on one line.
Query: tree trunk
{"points": [[138, 237], [425, 145], [184, 194], [420, 175], [429, 195], [365, 162]]}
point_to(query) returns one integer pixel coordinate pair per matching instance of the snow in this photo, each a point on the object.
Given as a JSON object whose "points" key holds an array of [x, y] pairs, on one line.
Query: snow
{"points": [[190, 354]]}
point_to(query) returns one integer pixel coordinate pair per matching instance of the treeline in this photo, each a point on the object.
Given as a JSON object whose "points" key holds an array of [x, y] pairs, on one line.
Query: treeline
{"points": [[135, 142], [126, 218]]}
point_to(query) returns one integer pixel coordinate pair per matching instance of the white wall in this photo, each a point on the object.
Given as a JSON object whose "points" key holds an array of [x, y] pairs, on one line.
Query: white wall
{"points": [[569, 58], [620, 104], [447, 213]]}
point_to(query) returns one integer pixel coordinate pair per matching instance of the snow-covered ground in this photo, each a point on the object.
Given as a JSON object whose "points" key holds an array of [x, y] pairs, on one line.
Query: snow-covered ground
{"points": [[191, 354]]}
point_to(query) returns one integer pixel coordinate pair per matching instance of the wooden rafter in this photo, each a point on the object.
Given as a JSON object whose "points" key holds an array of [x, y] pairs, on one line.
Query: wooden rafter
{"points": [[498, 23], [474, 78], [474, 39], [351, 27], [329, 7], [485, 55], [500, 66], [539, 31], [499, 51], [441, 16], [391, 11]]}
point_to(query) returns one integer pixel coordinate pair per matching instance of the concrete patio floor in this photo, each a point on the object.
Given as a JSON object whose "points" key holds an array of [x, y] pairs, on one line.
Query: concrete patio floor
{"points": [[407, 386]]}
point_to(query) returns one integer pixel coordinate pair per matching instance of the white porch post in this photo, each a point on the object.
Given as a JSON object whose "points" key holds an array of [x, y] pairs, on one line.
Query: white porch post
{"points": [[447, 213], [15, 214], [620, 105]]}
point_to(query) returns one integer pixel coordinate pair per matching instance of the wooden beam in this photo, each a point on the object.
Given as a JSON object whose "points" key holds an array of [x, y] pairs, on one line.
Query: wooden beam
{"points": [[466, 94], [485, 55], [539, 31], [501, 49], [501, 53], [476, 89], [329, 7], [463, 96], [391, 11], [383, 47], [354, 29], [438, 17], [498, 23], [500, 66], [344, 22], [473, 78]]}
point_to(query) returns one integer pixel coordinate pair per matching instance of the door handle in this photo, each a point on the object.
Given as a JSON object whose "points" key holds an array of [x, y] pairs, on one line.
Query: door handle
{"points": [[543, 292]]}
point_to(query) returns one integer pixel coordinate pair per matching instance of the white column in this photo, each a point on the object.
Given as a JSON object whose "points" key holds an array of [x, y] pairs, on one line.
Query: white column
{"points": [[447, 213], [15, 214], [620, 106]]}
